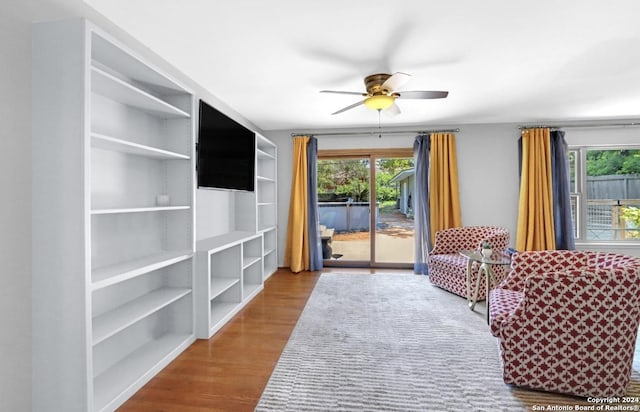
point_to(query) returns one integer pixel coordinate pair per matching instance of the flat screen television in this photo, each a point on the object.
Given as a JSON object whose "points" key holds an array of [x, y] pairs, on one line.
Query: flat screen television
{"points": [[225, 152]]}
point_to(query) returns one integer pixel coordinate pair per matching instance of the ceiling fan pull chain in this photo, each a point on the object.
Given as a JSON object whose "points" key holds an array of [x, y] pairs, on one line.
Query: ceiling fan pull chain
{"points": [[379, 131]]}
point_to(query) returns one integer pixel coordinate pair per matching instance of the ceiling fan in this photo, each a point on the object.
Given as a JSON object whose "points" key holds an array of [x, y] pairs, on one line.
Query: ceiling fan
{"points": [[382, 93]]}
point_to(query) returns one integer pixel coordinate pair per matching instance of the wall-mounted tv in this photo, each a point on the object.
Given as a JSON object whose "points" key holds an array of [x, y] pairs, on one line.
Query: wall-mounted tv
{"points": [[225, 152]]}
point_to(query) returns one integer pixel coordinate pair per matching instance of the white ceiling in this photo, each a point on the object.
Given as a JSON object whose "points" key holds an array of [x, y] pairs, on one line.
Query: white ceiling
{"points": [[501, 61]]}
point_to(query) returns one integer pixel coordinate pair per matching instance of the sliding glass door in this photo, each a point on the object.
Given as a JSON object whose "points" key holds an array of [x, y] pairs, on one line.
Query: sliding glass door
{"points": [[344, 209], [365, 224], [394, 229]]}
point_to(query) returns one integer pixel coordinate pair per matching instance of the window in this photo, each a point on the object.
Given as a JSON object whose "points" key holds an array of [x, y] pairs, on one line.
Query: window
{"points": [[605, 193]]}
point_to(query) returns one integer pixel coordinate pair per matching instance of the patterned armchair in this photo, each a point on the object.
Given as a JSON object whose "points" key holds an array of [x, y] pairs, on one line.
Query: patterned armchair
{"points": [[568, 321], [448, 269]]}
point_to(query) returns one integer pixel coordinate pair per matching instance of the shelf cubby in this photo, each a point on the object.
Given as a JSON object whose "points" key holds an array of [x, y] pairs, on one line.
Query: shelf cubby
{"points": [[118, 238], [224, 306], [220, 285], [112, 87], [110, 323], [262, 155], [129, 374], [123, 271], [269, 251], [123, 182], [104, 142], [252, 280]]}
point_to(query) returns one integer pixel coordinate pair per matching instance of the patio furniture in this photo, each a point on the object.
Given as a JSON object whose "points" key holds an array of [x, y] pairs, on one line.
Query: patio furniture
{"points": [[326, 235], [568, 321], [448, 269]]}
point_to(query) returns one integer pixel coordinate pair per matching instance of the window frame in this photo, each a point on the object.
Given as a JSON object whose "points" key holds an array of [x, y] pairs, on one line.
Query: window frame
{"points": [[580, 193]]}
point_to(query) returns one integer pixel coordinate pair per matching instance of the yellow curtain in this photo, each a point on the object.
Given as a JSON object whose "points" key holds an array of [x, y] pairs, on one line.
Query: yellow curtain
{"points": [[535, 211], [296, 253], [444, 195]]}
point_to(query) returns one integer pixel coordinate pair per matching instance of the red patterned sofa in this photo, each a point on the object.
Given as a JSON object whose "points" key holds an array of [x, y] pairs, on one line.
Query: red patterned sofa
{"points": [[448, 269], [568, 321]]}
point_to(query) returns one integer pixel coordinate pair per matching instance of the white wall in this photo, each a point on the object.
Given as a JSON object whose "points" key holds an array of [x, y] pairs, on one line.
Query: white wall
{"points": [[15, 214], [487, 170], [215, 212]]}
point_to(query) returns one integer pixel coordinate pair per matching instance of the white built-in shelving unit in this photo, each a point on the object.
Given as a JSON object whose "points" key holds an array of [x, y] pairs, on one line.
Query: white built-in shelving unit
{"points": [[266, 155], [113, 219], [229, 274], [257, 211], [231, 268]]}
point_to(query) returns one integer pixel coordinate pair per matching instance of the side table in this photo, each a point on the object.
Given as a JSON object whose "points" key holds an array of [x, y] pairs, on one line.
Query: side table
{"points": [[486, 269]]}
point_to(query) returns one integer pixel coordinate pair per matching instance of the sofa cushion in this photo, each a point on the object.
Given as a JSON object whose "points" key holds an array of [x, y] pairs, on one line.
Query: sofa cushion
{"points": [[454, 264]]}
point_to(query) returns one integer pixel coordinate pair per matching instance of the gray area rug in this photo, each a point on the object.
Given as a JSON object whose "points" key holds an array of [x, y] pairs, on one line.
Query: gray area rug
{"points": [[394, 343]]}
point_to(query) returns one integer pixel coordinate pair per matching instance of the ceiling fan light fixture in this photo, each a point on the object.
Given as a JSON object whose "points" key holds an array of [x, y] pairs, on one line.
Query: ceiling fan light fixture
{"points": [[379, 101]]}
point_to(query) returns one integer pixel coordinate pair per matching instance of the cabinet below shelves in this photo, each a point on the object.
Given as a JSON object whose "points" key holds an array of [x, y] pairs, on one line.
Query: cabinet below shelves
{"points": [[229, 273]]}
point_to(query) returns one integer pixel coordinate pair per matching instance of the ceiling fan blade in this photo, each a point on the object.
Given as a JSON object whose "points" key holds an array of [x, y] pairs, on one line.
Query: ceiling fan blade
{"points": [[423, 94], [392, 110], [342, 92], [396, 81], [349, 107]]}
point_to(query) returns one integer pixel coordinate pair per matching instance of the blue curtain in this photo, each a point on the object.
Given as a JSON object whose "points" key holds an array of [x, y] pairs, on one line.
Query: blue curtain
{"points": [[315, 246], [421, 148], [561, 192]]}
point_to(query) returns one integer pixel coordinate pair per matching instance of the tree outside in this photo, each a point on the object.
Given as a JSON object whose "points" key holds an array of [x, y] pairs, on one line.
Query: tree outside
{"points": [[342, 179], [613, 162]]}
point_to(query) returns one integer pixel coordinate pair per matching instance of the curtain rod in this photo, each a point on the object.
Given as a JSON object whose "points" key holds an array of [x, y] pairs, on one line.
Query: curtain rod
{"points": [[571, 126], [379, 132]]}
